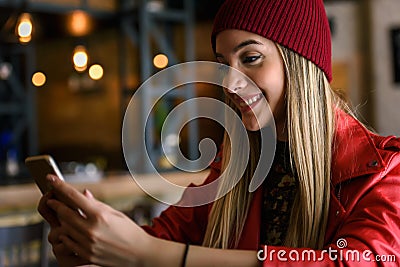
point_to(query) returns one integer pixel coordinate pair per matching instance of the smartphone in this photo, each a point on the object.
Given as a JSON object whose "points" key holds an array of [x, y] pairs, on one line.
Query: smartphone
{"points": [[39, 167]]}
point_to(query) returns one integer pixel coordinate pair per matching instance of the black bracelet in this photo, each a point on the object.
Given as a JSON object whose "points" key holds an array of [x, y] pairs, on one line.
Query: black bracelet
{"points": [[185, 255]]}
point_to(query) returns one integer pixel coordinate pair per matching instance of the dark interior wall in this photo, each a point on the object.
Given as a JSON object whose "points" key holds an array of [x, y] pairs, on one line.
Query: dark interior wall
{"points": [[86, 125], [74, 124]]}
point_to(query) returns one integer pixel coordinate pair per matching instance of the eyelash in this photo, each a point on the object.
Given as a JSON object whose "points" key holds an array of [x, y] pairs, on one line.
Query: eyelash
{"points": [[246, 60], [250, 59]]}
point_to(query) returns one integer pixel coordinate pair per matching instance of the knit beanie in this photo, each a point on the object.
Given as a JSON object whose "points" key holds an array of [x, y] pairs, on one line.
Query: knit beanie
{"points": [[300, 25]]}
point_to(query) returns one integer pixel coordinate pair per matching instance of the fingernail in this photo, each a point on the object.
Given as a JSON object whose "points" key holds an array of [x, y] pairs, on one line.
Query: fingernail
{"points": [[51, 178], [87, 193]]}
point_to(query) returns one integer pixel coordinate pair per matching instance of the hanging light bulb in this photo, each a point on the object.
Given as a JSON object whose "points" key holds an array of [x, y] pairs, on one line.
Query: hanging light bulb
{"points": [[80, 58], [24, 28]]}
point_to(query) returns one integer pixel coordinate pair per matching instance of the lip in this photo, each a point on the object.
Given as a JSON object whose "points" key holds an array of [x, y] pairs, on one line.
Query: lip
{"points": [[246, 103]]}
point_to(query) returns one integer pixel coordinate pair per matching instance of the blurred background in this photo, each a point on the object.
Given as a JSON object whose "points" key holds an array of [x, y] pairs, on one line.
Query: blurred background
{"points": [[69, 67]]}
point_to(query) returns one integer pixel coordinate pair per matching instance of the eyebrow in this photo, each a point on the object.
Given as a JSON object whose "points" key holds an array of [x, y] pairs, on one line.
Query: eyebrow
{"points": [[241, 45], [246, 43]]}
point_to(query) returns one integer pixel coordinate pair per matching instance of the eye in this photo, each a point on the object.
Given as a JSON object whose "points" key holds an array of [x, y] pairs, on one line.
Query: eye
{"points": [[251, 59]]}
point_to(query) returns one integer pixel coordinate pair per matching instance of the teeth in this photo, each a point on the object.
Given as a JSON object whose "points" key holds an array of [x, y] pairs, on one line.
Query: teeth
{"points": [[251, 100]]}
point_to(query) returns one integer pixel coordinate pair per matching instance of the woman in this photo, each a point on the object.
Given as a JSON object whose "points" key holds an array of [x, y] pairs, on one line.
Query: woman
{"points": [[330, 199]]}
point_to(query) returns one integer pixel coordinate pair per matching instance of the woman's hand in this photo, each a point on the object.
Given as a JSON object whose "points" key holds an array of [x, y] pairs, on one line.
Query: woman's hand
{"points": [[87, 230], [65, 256]]}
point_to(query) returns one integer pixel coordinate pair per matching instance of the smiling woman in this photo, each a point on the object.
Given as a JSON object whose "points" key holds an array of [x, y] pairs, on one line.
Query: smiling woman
{"points": [[331, 179], [259, 59]]}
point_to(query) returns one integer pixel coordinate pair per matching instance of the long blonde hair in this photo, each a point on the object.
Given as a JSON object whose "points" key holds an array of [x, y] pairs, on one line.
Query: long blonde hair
{"points": [[310, 104]]}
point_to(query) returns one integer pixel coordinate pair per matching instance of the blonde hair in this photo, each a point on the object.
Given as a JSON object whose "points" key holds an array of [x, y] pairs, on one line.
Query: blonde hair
{"points": [[310, 105]]}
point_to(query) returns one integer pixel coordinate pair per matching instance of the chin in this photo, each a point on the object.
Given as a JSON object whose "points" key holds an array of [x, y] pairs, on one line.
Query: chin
{"points": [[253, 129], [252, 126]]}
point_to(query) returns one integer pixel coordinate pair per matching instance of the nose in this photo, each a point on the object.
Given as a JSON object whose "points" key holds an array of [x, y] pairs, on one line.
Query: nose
{"points": [[234, 80]]}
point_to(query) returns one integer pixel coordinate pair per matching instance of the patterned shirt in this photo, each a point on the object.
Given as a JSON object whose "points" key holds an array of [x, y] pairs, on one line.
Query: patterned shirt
{"points": [[279, 190]]}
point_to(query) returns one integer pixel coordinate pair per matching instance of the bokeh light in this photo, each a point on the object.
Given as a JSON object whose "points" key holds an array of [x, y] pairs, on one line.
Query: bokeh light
{"points": [[96, 72], [160, 61], [38, 79], [80, 58], [5, 70], [25, 28], [79, 23]]}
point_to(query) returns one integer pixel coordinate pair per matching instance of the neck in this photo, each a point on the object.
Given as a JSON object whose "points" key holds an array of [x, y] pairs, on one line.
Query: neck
{"points": [[281, 132]]}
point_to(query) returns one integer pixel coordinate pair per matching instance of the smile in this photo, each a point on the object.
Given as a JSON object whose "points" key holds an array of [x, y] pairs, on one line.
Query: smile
{"points": [[250, 101], [246, 102]]}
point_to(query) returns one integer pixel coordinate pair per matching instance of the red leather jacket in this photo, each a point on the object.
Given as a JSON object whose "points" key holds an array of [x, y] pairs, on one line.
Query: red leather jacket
{"points": [[364, 214]]}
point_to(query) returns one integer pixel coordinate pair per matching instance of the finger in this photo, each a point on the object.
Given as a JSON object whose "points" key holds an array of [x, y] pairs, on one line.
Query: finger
{"points": [[71, 245], [61, 252], [70, 196], [80, 235], [46, 212], [54, 235], [87, 193], [60, 249], [72, 223], [66, 214]]}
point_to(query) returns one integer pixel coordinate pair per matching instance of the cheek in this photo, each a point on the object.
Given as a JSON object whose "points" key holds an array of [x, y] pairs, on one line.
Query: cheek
{"points": [[273, 88], [272, 84]]}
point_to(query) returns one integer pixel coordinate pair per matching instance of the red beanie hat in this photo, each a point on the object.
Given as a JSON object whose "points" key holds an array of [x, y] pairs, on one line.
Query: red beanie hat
{"points": [[300, 25]]}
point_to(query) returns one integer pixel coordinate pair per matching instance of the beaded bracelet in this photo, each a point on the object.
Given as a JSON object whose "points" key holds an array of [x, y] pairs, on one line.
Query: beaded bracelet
{"points": [[185, 255]]}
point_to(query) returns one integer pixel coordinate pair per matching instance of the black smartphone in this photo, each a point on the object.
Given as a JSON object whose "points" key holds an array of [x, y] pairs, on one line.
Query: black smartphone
{"points": [[39, 167]]}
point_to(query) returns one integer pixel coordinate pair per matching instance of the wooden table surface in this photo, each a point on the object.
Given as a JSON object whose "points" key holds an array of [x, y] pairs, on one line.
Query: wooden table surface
{"points": [[18, 202]]}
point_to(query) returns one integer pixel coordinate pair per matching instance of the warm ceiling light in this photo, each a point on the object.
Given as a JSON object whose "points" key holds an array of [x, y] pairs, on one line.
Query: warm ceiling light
{"points": [[25, 39], [160, 61], [96, 72], [80, 58], [39, 79], [79, 23], [24, 27]]}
